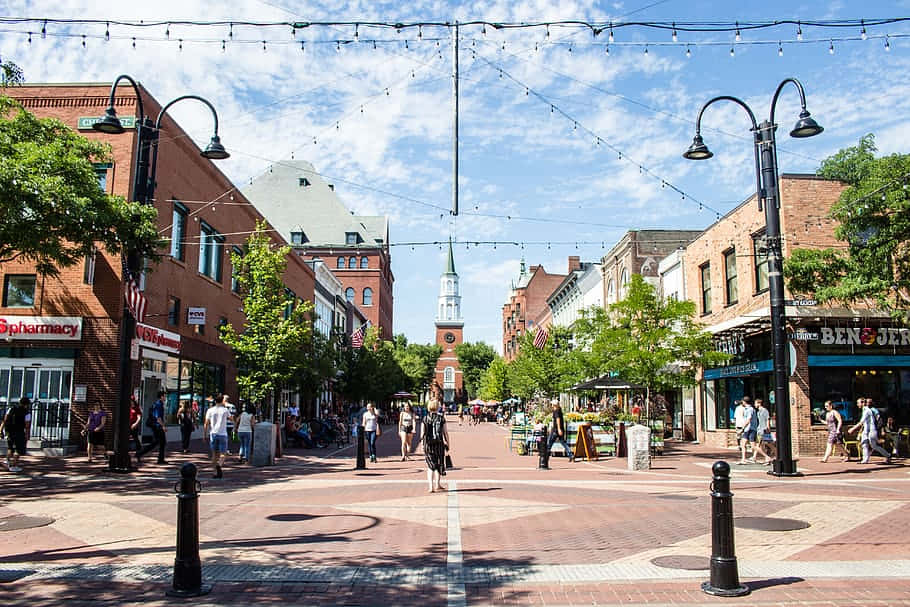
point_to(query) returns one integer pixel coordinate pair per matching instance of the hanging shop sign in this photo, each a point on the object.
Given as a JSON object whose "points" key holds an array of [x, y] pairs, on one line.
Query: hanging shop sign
{"points": [[730, 345], [45, 328], [159, 339], [866, 336], [195, 316]]}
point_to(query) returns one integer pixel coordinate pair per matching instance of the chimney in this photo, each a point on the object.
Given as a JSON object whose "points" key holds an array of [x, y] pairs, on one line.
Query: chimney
{"points": [[574, 263], [332, 186]]}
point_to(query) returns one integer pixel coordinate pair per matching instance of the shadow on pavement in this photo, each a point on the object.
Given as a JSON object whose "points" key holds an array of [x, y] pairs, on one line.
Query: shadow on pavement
{"points": [[782, 581]]}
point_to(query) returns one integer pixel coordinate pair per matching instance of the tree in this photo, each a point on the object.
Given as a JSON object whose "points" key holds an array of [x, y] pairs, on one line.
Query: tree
{"points": [[11, 74], [473, 358], [547, 371], [276, 329], [873, 266], [494, 382], [646, 339], [417, 362], [54, 213]]}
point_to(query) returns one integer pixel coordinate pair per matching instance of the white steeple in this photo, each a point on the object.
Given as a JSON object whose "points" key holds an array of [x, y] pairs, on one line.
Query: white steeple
{"points": [[448, 311]]}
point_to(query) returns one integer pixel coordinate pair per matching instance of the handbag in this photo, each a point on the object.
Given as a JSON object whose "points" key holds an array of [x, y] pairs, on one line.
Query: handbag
{"points": [[378, 430], [449, 464]]}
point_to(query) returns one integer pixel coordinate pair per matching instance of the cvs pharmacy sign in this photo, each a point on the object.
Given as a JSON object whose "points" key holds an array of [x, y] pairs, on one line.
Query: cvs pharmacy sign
{"points": [[45, 328], [159, 339]]}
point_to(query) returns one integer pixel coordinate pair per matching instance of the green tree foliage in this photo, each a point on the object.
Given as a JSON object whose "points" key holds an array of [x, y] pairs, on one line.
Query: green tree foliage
{"points": [[646, 339], [873, 213], [11, 74], [417, 362], [53, 211], [494, 382], [277, 328], [473, 358], [547, 371]]}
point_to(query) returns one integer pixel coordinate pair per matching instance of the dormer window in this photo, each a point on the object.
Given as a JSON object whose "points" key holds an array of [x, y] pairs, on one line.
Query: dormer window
{"points": [[303, 182], [352, 238], [298, 238]]}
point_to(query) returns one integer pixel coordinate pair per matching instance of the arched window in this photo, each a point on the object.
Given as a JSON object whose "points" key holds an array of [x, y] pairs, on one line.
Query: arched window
{"points": [[364, 262], [341, 263], [624, 283], [352, 263], [611, 292], [349, 294], [368, 296], [449, 375]]}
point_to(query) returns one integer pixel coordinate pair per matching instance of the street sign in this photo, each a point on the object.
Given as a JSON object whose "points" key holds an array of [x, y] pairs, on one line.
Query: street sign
{"points": [[800, 302]]}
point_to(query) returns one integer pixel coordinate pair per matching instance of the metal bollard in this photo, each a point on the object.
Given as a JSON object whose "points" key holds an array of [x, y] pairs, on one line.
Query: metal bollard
{"points": [[361, 458], [543, 452], [724, 571], [187, 566]]}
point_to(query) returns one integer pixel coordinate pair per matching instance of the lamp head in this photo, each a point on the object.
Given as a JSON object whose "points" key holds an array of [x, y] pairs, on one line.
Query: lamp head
{"points": [[214, 150], [110, 123], [805, 126], [698, 150]]}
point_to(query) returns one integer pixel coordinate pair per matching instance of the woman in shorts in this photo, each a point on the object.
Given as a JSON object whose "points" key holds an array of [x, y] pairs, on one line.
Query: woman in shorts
{"points": [[406, 430]]}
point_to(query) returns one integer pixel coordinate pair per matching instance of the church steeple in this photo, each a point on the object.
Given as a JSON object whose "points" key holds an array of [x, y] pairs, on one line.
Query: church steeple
{"points": [[450, 268], [449, 307]]}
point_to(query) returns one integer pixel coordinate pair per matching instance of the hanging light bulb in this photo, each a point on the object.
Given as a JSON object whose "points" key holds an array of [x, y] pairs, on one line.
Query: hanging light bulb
{"points": [[263, 46], [420, 32], [646, 49], [356, 32], [180, 44], [536, 48], [799, 31], [406, 44], [374, 45], [337, 126], [314, 140], [167, 32], [83, 40], [552, 109], [831, 48], [674, 37], [302, 45], [134, 45], [44, 30], [610, 37], [780, 50], [574, 126], [607, 50], [732, 52], [231, 32], [29, 37], [862, 34], [483, 30], [888, 49], [527, 91], [739, 36], [338, 46], [107, 32], [688, 52], [387, 92]]}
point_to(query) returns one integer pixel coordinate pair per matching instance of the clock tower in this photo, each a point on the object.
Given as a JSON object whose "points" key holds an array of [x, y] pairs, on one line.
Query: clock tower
{"points": [[448, 384]]}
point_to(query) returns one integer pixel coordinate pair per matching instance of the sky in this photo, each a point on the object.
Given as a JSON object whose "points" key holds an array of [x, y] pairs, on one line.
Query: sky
{"points": [[563, 147]]}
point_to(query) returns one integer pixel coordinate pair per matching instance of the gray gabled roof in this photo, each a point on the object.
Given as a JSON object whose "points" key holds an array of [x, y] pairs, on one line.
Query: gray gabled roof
{"points": [[295, 198]]}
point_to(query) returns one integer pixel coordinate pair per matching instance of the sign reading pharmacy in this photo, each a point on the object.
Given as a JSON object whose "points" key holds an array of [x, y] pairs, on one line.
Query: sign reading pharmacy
{"points": [[85, 122], [866, 336], [46, 328], [195, 316], [159, 339]]}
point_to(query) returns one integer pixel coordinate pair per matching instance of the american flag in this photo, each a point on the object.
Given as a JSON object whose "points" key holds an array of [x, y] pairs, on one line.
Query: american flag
{"points": [[135, 300], [540, 338], [357, 337]]}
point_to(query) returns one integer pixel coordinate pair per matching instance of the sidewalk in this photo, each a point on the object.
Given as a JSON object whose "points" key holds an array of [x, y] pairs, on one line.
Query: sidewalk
{"points": [[313, 530]]}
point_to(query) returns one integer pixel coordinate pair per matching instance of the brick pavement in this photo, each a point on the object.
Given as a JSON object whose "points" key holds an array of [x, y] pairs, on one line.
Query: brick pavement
{"points": [[578, 533]]}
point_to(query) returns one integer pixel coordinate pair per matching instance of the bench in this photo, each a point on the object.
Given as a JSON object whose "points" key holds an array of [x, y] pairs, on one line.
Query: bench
{"points": [[518, 435]]}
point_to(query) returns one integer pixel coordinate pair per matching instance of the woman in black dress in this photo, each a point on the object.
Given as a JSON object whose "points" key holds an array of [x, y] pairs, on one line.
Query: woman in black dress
{"points": [[435, 445]]}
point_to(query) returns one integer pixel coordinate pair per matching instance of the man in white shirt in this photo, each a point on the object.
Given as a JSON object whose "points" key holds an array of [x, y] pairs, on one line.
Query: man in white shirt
{"points": [[739, 420], [216, 419], [294, 410]]}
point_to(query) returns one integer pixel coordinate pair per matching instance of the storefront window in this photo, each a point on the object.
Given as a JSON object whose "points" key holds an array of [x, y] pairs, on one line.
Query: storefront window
{"points": [[843, 386]]}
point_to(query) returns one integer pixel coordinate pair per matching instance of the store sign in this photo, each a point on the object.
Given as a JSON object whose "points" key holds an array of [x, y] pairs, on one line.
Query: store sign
{"points": [[800, 302], [46, 328], [195, 316], [751, 368], [804, 335], [867, 336], [730, 345], [159, 339], [85, 123]]}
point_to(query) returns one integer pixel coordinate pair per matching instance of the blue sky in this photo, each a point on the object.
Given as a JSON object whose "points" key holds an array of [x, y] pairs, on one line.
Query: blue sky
{"points": [[553, 129]]}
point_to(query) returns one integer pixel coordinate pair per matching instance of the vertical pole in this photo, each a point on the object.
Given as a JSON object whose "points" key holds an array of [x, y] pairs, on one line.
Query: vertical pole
{"points": [[724, 570], [361, 457], [784, 465], [187, 579], [455, 120]]}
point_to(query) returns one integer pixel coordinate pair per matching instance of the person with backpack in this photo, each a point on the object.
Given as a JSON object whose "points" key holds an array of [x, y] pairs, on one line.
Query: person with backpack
{"points": [[435, 445], [871, 423], [16, 423], [155, 421]]}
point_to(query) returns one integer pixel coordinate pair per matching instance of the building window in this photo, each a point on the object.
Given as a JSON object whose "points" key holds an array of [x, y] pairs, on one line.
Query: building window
{"points": [[178, 231], [19, 290], [88, 274], [303, 182], [352, 263], [364, 263], [101, 173], [368, 296], [298, 238], [705, 271], [173, 311], [349, 294], [290, 299], [732, 289], [760, 252], [352, 238], [340, 264], [235, 268], [449, 375], [210, 244], [623, 283], [199, 329]]}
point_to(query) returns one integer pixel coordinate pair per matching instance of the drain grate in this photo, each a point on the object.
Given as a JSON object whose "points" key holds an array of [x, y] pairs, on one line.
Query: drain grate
{"points": [[763, 523], [683, 561], [15, 523]]}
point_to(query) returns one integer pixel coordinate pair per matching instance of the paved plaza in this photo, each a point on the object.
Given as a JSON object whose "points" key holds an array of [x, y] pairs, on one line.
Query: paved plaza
{"points": [[312, 530]]}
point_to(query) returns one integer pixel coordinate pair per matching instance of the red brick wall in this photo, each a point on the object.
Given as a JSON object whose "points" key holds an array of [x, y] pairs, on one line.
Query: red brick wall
{"points": [[529, 303]]}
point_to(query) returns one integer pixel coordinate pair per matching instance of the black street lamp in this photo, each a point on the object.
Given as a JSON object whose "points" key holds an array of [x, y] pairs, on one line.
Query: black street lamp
{"points": [[143, 192], [767, 194]]}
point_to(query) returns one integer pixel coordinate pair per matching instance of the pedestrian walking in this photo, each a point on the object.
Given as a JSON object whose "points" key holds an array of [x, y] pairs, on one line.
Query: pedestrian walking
{"points": [[187, 422], [135, 423], [155, 421], [371, 429], [406, 430], [739, 420], [435, 445], [94, 430], [869, 437], [763, 434], [834, 422], [558, 431], [16, 424], [215, 426], [244, 424]]}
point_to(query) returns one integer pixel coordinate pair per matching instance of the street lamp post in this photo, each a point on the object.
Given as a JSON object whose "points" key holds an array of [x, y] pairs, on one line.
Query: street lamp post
{"points": [[143, 191], [768, 195]]}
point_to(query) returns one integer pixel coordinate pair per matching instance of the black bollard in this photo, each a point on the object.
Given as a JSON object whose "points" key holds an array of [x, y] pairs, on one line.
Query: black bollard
{"points": [[543, 452], [361, 459], [724, 572], [187, 566]]}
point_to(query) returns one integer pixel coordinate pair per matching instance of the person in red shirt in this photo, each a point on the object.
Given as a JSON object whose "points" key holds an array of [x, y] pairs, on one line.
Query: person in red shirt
{"points": [[135, 422]]}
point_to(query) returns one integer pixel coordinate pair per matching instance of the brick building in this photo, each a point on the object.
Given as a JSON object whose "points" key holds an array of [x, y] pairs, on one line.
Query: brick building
{"points": [[527, 306], [448, 384], [190, 292], [307, 212], [836, 353]]}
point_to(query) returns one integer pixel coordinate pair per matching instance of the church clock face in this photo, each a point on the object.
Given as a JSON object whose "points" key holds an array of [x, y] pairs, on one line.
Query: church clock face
{"points": [[449, 337]]}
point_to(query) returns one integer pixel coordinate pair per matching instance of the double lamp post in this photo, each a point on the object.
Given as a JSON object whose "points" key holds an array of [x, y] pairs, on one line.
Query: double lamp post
{"points": [[143, 190], [769, 197]]}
